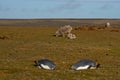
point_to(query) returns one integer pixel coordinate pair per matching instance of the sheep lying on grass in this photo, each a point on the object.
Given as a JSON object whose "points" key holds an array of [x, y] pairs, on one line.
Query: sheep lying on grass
{"points": [[71, 36]]}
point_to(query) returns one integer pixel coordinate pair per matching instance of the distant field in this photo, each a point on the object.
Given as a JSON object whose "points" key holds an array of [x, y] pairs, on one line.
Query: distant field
{"points": [[23, 45], [57, 22]]}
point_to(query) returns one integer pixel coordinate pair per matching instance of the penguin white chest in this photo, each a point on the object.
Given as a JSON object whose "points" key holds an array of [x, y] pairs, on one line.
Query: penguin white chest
{"points": [[83, 67], [45, 66]]}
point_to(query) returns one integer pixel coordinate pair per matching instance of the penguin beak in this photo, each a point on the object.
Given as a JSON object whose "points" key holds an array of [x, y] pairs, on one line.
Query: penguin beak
{"points": [[36, 64], [98, 65]]}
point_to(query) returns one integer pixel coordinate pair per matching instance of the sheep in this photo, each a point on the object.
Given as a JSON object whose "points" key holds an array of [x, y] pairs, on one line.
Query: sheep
{"points": [[63, 30], [107, 24], [71, 36]]}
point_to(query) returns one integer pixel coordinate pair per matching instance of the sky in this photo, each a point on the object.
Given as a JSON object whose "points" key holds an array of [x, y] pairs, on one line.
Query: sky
{"points": [[29, 9]]}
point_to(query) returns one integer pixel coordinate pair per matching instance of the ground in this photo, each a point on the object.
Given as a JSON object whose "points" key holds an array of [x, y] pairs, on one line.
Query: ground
{"points": [[23, 45]]}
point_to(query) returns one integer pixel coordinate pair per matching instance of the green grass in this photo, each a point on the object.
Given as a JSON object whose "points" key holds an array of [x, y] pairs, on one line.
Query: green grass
{"points": [[27, 44]]}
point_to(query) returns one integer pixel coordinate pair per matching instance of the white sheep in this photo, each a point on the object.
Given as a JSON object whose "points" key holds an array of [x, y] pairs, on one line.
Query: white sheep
{"points": [[71, 36], [63, 30], [107, 24]]}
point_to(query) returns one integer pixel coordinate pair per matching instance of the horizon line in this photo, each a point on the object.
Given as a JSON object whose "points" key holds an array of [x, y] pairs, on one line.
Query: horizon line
{"points": [[51, 18]]}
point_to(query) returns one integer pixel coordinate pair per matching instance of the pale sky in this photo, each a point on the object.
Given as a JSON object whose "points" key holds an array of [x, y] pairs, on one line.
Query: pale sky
{"points": [[28, 9]]}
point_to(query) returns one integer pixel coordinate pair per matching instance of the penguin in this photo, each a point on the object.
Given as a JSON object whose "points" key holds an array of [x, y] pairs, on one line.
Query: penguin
{"points": [[45, 64], [85, 64]]}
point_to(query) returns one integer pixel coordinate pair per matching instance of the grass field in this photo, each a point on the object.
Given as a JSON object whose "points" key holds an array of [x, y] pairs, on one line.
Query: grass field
{"points": [[24, 45]]}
